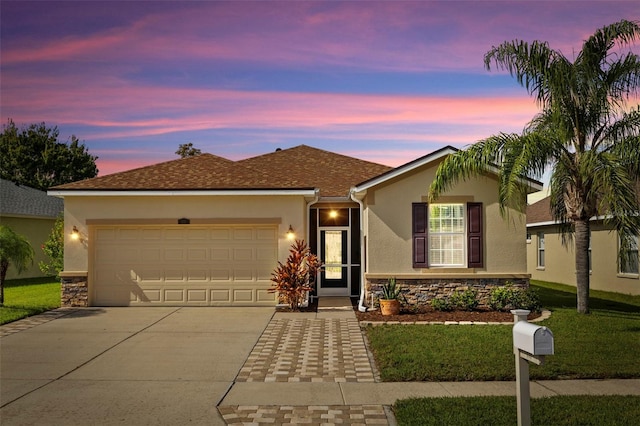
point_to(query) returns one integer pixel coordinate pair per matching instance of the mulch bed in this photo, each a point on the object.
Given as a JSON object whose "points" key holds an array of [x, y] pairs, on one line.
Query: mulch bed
{"points": [[430, 314], [422, 314]]}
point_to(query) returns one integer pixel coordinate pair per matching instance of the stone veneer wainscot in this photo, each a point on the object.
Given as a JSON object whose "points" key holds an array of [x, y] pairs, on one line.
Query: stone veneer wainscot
{"points": [[74, 289], [419, 290]]}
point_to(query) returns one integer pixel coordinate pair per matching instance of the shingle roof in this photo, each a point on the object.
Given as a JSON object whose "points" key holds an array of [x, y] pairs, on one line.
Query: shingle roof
{"points": [[19, 200], [539, 211], [301, 167], [334, 174]]}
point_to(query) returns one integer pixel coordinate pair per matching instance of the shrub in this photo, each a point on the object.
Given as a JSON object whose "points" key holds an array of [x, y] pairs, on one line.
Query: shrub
{"points": [[510, 297], [54, 249], [442, 304], [465, 300], [293, 279]]}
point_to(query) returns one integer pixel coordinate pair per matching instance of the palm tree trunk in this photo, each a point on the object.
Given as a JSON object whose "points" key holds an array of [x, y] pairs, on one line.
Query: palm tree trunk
{"points": [[582, 231], [4, 266]]}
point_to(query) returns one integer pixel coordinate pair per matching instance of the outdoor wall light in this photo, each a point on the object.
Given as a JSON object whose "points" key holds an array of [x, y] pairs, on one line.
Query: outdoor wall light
{"points": [[290, 233], [333, 214], [75, 234]]}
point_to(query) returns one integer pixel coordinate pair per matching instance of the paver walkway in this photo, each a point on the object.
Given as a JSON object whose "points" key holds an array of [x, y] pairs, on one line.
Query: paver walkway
{"points": [[303, 348]]}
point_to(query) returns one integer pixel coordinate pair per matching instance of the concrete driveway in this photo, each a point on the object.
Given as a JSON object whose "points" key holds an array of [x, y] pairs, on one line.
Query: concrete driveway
{"points": [[126, 365]]}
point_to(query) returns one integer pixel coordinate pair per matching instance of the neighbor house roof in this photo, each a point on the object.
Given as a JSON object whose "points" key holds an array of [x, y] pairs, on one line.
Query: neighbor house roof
{"points": [[23, 201], [540, 212], [301, 167]]}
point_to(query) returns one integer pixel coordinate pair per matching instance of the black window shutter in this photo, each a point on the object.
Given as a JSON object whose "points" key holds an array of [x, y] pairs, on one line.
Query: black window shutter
{"points": [[420, 226], [475, 241]]}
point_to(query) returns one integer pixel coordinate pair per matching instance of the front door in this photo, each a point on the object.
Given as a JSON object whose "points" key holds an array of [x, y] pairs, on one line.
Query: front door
{"points": [[334, 254]]}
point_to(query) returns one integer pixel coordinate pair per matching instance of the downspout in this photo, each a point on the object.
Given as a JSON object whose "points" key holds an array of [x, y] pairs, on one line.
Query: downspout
{"points": [[361, 306], [309, 204]]}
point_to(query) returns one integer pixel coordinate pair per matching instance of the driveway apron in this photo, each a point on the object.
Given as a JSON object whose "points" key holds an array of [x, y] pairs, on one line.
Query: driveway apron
{"points": [[126, 365]]}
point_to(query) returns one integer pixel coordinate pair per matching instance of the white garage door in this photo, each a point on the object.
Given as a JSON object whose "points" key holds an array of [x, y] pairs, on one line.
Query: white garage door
{"points": [[183, 265]]}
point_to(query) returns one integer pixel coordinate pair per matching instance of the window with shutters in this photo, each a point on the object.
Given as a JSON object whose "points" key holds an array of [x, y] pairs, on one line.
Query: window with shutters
{"points": [[447, 235]]}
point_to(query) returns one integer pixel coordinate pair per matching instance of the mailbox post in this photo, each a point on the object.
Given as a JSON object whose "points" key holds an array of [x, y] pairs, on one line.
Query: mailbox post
{"points": [[530, 344]]}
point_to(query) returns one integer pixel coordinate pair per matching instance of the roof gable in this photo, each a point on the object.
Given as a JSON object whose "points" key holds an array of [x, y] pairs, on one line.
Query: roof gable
{"points": [[533, 185], [20, 200]]}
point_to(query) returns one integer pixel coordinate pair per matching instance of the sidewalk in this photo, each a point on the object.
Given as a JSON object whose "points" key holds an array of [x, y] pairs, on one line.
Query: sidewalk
{"points": [[313, 368]]}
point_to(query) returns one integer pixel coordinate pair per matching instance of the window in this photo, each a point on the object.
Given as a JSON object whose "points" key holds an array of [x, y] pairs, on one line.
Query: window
{"points": [[540, 249], [629, 265], [447, 235]]}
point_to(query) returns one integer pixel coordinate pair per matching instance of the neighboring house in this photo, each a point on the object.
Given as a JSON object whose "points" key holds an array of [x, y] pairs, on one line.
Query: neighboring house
{"points": [[205, 230], [31, 213], [549, 260]]}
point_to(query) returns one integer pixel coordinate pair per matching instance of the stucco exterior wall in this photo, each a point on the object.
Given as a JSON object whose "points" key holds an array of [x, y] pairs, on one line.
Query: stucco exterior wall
{"points": [[560, 260], [37, 231], [389, 233], [81, 210]]}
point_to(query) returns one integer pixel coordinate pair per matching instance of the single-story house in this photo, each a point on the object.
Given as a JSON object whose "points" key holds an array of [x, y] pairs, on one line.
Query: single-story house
{"points": [[31, 213], [205, 230], [549, 260]]}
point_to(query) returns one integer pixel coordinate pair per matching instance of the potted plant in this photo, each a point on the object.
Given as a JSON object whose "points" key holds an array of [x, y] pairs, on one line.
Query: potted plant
{"points": [[390, 298]]}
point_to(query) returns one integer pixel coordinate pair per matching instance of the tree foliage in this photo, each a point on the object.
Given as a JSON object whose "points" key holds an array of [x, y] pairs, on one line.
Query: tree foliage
{"points": [[585, 133], [33, 156], [187, 150], [294, 278], [54, 249], [15, 250]]}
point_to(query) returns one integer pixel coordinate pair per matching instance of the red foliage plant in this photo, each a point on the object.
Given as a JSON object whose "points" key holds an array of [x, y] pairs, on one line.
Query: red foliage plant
{"points": [[294, 278]]}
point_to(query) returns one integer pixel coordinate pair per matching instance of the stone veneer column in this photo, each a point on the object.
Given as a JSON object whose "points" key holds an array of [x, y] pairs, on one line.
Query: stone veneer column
{"points": [[74, 289]]}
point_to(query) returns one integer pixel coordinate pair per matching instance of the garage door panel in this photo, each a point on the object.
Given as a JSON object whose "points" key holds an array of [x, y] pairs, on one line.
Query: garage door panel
{"points": [[243, 234], [221, 234], [183, 265], [243, 254], [152, 234], [197, 254]]}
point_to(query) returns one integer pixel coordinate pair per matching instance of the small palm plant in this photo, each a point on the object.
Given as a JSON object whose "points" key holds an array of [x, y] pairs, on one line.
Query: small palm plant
{"points": [[293, 279], [390, 290]]}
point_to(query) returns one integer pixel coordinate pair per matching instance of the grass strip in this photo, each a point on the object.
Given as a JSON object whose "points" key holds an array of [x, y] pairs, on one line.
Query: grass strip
{"points": [[29, 296], [501, 410]]}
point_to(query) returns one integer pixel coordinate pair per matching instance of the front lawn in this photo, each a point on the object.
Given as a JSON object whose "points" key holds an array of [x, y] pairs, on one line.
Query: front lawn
{"points": [[501, 410], [603, 344], [29, 296]]}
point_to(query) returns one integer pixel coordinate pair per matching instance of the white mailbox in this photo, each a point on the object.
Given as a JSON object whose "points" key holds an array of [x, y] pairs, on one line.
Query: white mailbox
{"points": [[532, 338]]}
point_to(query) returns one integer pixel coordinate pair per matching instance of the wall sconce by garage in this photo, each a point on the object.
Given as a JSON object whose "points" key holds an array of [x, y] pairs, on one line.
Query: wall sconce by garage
{"points": [[290, 233], [77, 236]]}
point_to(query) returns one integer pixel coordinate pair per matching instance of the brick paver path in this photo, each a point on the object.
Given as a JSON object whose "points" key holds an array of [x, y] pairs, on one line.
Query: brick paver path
{"points": [[308, 415], [309, 350]]}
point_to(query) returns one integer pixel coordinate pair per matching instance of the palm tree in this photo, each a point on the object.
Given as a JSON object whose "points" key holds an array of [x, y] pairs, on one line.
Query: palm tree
{"points": [[585, 134], [14, 249]]}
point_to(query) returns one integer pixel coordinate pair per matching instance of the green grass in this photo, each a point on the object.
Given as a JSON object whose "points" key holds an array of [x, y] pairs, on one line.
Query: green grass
{"points": [[498, 411], [29, 296], [603, 344]]}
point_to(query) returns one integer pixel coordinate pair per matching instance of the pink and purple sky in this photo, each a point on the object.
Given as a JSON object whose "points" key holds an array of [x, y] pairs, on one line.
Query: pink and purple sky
{"points": [[382, 81]]}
